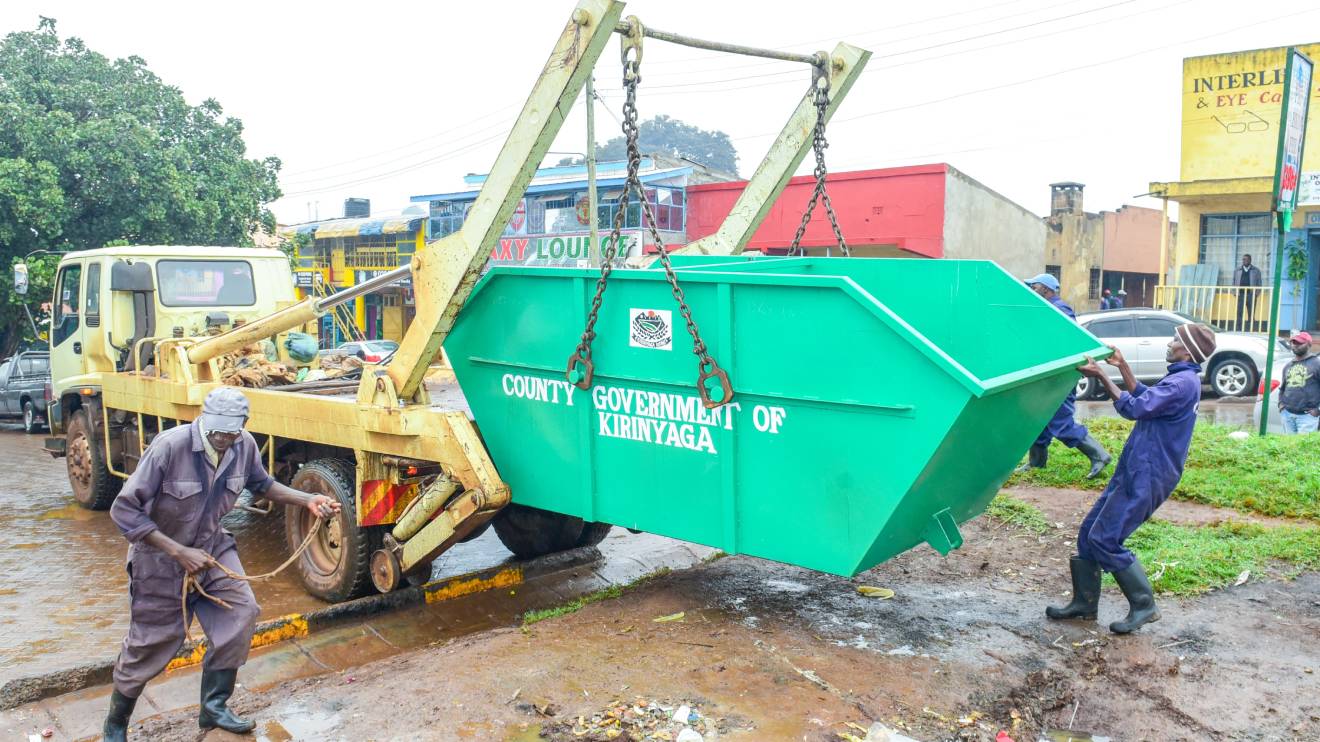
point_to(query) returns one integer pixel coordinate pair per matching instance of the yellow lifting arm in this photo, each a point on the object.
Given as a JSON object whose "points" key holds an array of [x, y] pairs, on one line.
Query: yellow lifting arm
{"points": [[445, 271]]}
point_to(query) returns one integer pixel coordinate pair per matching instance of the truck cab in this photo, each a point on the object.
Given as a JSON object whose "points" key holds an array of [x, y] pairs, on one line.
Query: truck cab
{"points": [[111, 305]]}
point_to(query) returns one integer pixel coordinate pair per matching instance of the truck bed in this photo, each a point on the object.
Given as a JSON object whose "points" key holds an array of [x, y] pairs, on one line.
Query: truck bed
{"points": [[446, 395]]}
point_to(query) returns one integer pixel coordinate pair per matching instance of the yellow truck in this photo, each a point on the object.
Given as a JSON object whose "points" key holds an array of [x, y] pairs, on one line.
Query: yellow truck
{"points": [[139, 334]]}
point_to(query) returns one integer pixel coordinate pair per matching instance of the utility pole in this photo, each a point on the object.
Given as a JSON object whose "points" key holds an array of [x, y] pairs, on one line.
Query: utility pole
{"points": [[1287, 172], [593, 218]]}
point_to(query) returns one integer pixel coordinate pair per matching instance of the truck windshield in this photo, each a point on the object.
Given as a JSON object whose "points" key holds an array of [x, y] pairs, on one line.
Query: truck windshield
{"points": [[205, 283]]}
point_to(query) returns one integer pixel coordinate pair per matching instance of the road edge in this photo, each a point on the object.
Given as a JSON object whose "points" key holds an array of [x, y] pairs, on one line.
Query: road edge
{"points": [[19, 691]]}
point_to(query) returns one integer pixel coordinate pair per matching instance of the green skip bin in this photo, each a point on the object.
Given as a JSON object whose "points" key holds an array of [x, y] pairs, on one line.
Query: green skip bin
{"points": [[878, 402]]}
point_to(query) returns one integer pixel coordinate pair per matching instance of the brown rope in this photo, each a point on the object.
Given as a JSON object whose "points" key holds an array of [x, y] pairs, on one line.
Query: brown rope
{"points": [[192, 583]]}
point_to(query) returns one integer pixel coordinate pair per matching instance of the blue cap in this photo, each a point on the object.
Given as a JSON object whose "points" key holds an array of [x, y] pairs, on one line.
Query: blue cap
{"points": [[1046, 280], [224, 410]]}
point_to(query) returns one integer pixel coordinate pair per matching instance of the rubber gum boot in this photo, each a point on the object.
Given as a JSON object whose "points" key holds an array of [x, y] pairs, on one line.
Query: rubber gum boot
{"points": [[115, 728], [1099, 457], [1086, 592], [217, 687], [1141, 600], [1037, 458]]}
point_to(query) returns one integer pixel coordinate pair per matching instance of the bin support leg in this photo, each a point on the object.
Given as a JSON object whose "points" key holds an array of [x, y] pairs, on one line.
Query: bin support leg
{"points": [[942, 533]]}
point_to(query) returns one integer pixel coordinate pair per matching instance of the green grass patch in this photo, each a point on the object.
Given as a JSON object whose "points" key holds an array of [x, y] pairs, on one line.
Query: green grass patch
{"points": [[577, 604], [1196, 559], [1276, 475], [1191, 560], [1015, 512]]}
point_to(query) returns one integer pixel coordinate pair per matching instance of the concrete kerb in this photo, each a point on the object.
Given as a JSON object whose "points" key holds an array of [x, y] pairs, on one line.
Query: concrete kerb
{"points": [[19, 691]]}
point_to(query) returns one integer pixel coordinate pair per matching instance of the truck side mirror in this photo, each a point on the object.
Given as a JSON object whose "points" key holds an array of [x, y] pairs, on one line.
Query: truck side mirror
{"points": [[20, 278]]}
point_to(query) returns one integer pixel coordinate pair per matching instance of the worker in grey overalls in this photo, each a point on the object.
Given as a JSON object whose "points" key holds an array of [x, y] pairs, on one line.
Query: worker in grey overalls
{"points": [[170, 511]]}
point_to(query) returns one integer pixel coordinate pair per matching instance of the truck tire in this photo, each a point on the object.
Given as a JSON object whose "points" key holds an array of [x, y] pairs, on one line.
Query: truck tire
{"points": [[337, 565], [30, 419], [531, 532], [94, 487]]}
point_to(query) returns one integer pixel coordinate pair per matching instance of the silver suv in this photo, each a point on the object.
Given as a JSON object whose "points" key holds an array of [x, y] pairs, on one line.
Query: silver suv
{"points": [[1142, 334]]}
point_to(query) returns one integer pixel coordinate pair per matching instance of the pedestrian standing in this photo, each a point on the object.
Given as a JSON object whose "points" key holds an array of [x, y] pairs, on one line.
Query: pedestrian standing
{"points": [[1118, 300], [1063, 425], [1105, 300], [1246, 278], [170, 510], [1299, 394], [1148, 469]]}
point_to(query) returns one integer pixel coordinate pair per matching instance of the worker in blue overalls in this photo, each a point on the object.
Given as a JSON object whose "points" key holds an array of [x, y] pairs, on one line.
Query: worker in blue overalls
{"points": [[1148, 469], [1062, 426]]}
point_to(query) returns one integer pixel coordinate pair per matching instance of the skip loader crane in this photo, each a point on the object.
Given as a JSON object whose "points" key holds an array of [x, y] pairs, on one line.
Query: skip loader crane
{"points": [[773, 452]]}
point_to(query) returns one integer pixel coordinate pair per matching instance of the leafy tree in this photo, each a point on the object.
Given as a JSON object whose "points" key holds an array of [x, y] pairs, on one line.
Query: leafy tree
{"points": [[669, 136], [94, 150]]}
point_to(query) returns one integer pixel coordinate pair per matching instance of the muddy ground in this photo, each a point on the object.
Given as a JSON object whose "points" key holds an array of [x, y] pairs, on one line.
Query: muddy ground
{"points": [[769, 652]]}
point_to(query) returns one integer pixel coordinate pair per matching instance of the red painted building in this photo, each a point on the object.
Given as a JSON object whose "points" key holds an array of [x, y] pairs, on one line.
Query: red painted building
{"points": [[930, 211]]}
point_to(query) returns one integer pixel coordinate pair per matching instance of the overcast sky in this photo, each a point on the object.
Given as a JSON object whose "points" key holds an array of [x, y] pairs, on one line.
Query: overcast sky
{"points": [[385, 100]]}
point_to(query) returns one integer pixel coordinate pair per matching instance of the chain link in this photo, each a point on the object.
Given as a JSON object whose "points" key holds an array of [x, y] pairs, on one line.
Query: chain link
{"points": [[707, 367], [820, 85]]}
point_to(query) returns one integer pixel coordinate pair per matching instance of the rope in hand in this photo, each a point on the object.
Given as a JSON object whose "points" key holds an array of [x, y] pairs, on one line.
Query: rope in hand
{"points": [[192, 583]]}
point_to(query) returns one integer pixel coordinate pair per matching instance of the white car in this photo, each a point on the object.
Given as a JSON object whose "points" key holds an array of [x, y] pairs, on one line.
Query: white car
{"points": [[1275, 422], [1143, 334]]}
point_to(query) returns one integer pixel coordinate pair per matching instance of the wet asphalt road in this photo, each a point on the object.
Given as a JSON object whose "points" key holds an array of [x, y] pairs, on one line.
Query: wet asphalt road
{"points": [[1215, 411], [64, 596]]}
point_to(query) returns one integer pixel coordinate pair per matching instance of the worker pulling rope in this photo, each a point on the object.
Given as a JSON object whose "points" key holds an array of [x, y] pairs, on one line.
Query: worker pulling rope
{"points": [[191, 583]]}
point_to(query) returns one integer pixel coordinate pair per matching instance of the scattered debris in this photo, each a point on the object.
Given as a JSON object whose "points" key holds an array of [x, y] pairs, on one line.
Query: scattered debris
{"points": [[870, 591], [1242, 578], [251, 367], [639, 720], [670, 618], [877, 732]]}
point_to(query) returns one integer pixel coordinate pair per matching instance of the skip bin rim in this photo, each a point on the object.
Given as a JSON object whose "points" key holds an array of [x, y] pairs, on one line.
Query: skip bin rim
{"points": [[976, 386], [993, 384]]}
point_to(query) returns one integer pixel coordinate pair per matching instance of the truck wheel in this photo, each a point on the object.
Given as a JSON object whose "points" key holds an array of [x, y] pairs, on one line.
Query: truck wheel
{"points": [[94, 487], [337, 564], [531, 532], [30, 424]]}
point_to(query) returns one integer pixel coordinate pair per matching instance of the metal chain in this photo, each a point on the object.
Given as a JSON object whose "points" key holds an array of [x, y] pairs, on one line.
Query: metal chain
{"points": [[821, 86], [582, 355], [707, 367]]}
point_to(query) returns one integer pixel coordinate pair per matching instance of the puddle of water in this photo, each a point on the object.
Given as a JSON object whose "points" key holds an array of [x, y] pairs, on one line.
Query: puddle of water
{"points": [[72, 511], [273, 731], [530, 734], [298, 722], [1064, 735]]}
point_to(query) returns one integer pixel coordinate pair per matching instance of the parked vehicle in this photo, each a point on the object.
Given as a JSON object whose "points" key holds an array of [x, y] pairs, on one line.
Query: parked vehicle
{"points": [[25, 388], [1275, 420], [1142, 334], [371, 351]]}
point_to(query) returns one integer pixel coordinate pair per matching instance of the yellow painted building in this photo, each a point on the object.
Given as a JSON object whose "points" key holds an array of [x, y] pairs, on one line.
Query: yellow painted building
{"points": [[1231, 106], [337, 253]]}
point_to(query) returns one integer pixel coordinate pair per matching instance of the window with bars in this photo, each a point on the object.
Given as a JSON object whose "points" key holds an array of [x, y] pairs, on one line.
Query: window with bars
{"points": [[447, 217], [1093, 288], [668, 205], [1225, 238]]}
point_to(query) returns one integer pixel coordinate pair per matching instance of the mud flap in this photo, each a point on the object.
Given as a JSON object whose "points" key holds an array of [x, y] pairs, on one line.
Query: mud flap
{"points": [[942, 533]]}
